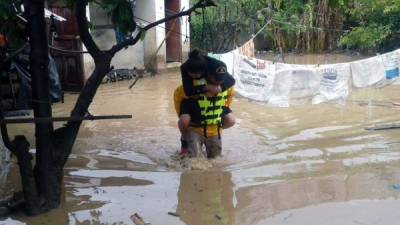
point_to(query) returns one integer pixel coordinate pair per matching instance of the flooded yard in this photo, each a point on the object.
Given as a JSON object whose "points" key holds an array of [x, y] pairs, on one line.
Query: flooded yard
{"points": [[303, 165]]}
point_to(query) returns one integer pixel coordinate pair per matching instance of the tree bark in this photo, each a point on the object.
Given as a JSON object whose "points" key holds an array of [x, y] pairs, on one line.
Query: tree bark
{"points": [[20, 147], [46, 169]]}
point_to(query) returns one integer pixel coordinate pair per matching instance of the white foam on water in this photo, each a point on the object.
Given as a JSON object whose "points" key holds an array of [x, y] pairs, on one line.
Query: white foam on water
{"points": [[312, 152], [372, 159], [364, 137], [256, 175], [310, 134], [126, 155]]}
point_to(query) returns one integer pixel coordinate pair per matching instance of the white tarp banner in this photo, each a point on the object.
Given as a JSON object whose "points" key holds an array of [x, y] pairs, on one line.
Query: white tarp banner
{"points": [[294, 84], [285, 66], [367, 72], [391, 62], [215, 56], [397, 82], [254, 77], [305, 83], [281, 89], [334, 83], [227, 58], [280, 83]]}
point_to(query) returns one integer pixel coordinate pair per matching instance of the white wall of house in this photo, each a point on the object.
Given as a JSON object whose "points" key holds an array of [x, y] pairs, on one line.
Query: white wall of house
{"points": [[160, 32], [144, 53], [104, 36], [185, 31], [145, 13], [155, 37]]}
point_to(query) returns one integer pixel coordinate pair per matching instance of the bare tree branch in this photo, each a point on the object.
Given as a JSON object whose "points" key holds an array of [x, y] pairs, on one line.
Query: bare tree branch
{"points": [[131, 41], [128, 42], [83, 26]]}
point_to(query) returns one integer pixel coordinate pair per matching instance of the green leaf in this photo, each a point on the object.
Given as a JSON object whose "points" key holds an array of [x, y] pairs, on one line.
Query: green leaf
{"points": [[142, 35]]}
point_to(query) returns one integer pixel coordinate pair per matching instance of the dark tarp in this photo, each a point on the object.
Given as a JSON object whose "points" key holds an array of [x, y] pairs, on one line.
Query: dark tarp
{"points": [[19, 65]]}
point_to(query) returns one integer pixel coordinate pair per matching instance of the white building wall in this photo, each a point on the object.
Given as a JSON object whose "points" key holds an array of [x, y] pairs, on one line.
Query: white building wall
{"points": [[161, 32], [185, 31], [155, 37], [105, 39], [145, 13], [88, 63], [144, 53]]}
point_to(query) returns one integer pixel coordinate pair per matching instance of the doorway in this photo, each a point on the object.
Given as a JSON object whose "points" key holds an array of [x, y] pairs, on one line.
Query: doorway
{"points": [[70, 65]]}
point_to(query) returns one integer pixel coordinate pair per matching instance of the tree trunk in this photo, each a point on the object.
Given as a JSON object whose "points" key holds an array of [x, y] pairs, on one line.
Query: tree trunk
{"points": [[66, 136], [52, 147], [46, 170], [322, 21], [41, 188]]}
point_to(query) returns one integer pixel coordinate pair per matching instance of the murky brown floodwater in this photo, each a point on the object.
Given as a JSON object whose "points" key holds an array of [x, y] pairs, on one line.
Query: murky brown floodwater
{"points": [[308, 164]]}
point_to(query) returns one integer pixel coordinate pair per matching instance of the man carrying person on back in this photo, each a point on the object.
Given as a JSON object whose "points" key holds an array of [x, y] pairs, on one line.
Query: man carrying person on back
{"points": [[206, 84], [208, 114]]}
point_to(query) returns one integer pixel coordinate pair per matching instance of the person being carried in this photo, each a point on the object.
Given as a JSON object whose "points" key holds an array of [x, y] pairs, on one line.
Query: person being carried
{"points": [[208, 115], [194, 73]]}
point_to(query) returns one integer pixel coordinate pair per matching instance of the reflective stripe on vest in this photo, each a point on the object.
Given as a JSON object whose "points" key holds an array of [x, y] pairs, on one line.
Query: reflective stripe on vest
{"points": [[211, 109]]}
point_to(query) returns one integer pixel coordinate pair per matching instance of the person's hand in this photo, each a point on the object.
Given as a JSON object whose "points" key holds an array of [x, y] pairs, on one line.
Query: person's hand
{"points": [[212, 89]]}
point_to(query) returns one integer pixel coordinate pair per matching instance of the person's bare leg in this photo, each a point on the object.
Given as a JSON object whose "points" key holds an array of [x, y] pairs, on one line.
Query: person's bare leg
{"points": [[229, 121], [195, 143], [213, 147], [183, 124]]}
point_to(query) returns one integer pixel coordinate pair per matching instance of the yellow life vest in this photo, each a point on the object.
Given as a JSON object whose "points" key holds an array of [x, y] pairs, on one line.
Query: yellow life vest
{"points": [[211, 108], [179, 93]]}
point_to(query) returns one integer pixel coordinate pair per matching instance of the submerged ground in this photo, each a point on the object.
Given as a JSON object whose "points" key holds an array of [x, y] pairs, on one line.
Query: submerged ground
{"points": [[303, 165]]}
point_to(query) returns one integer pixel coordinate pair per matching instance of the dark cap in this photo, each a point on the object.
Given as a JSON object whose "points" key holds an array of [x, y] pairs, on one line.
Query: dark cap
{"points": [[220, 73], [217, 76]]}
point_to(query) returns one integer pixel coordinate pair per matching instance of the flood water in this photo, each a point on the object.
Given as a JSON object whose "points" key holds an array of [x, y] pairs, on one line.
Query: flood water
{"points": [[303, 165]]}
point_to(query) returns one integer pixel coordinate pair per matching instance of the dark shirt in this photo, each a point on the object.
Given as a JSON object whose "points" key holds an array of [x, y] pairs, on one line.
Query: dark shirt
{"points": [[212, 66]]}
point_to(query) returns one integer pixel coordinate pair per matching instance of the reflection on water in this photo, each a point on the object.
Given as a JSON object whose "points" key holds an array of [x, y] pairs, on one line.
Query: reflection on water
{"points": [[125, 155], [151, 200], [205, 198], [275, 203], [279, 166]]}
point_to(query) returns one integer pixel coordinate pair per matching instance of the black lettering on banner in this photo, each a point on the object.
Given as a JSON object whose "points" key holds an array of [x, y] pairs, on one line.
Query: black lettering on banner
{"points": [[251, 83], [252, 78]]}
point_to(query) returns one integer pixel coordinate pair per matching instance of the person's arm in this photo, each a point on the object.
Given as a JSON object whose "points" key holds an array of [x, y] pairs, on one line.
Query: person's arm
{"points": [[187, 83], [179, 95], [231, 93]]}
